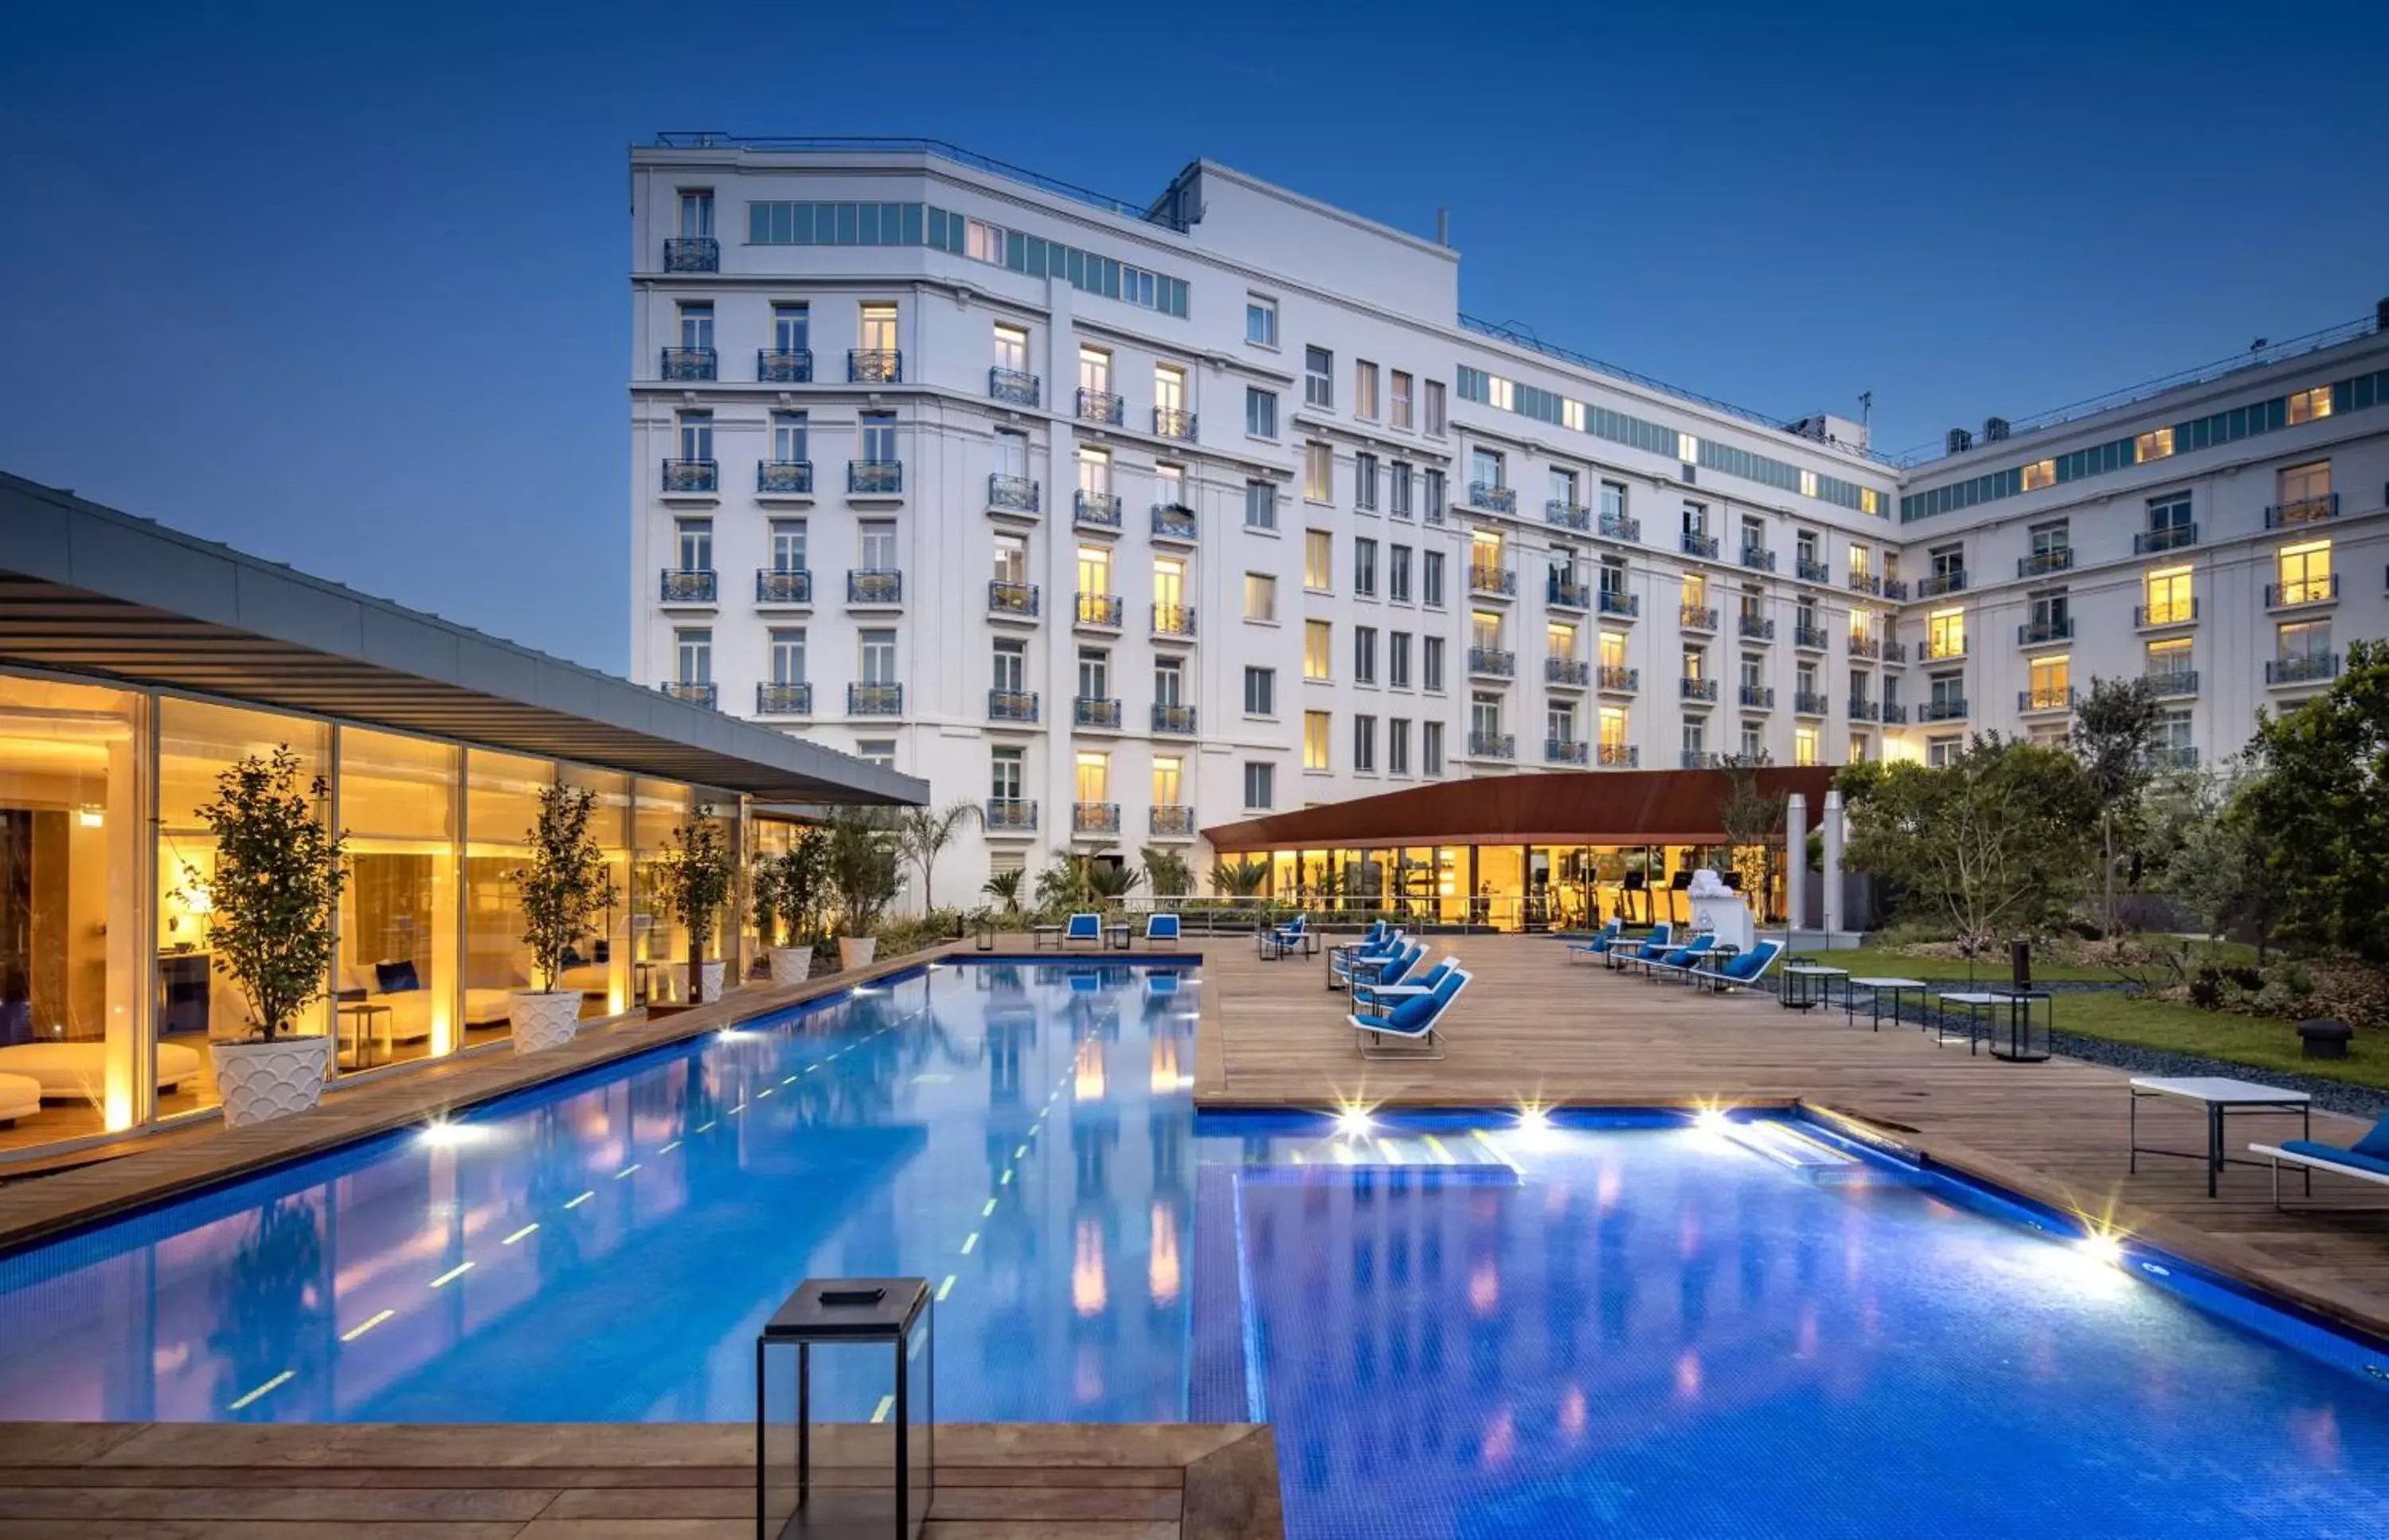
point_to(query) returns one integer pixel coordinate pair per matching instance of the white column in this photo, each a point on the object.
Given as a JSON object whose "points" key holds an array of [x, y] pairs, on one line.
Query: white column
{"points": [[1796, 861], [1833, 878]]}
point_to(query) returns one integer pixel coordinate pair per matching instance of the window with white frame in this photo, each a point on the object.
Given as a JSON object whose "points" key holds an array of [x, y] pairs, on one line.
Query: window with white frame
{"points": [[1431, 748], [1260, 505], [1364, 389], [693, 656], [1319, 378], [1401, 417], [1260, 785], [1364, 743], [1261, 691], [1260, 411], [1261, 321]]}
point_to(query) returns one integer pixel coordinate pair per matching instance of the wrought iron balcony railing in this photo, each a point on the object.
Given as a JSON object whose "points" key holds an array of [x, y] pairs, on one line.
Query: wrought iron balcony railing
{"points": [[1100, 609], [694, 692], [1493, 497], [1178, 720], [2041, 564], [1018, 600], [1697, 543], [1894, 588], [2305, 510], [1012, 705], [1092, 711], [1013, 494], [1173, 422], [2048, 629], [1094, 818], [688, 585], [691, 254], [1865, 646], [1099, 510], [874, 478], [1559, 511], [1699, 758], [1893, 714], [875, 700], [1894, 651], [1010, 815], [1865, 582], [1864, 710], [2174, 756], [1810, 637], [2048, 699], [874, 585], [783, 700], [1942, 709], [1492, 746], [2178, 612], [1625, 605], [1754, 628], [1758, 697], [1173, 521], [1565, 751], [1621, 527], [783, 365], [1566, 593], [1173, 620], [1808, 703], [875, 365], [692, 475], [1934, 584], [2173, 537], [1573, 671], [1697, 617], [1497, 662], [1758, 558], [1620, 757], [1695, 689], [2302, 669], [1809, 569], [1172, 820], [783, 477], [1102, 406], [2302, 592], [1492, 579], [782, 586], [2173, 683], [1016, 385], [1616, 678], [691, 364]]}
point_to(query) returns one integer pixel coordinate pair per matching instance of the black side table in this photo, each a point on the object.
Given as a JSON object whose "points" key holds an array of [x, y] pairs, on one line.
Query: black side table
{"points": [[859, 1313]]}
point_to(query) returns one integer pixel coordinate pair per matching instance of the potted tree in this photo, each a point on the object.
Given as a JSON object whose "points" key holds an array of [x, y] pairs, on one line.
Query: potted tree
{"points": [[273, 901], [564, 888], [795, 882], [698, 877], [863, 871]]}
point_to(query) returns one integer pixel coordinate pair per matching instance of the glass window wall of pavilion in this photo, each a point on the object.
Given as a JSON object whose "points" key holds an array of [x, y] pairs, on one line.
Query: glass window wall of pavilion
{"points": [[1500, 886]]}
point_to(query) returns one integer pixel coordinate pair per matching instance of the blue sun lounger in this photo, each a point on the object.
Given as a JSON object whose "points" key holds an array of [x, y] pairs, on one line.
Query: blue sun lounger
{"points": [[1743, 971], [1413, 1030], [1160, 928], [1624, 952], [2365, 1160], [1682, 959], [1088, 928], [1601, 943]]}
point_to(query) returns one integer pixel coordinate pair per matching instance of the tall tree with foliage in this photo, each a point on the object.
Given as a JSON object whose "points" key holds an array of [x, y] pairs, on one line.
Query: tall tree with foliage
{"points": [[1753, 821], [2206, 846], [2321, 796], [863, 867], [2114, 734], [1994, 844], [922, 834], [698, 875], [1166, 872], [566, 886], [275, 890]]}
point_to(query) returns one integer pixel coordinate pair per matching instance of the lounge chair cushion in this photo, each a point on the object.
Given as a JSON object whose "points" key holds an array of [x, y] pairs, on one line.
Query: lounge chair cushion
{"points": [[1161, 926], [1748, 965], [73, 1071], [2375, 1141], [2355, 1159]]}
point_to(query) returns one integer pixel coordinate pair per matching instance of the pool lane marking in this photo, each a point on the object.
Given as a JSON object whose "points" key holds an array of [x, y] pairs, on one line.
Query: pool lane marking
{"points": [[452, 1275], [946, 1288], [626, 1171], [582, 1199], [519, 1234], [1007, 1179], [1442, 1155], [988, 1210], [1391, 1151], [668, 1148], [765, 1091], [353, 1333], [709, 1126], [1498, 1153], [1020, 1153], [886, 1403], [276, 1383], [791, 1079], [736, 1110], [970, 1242]]}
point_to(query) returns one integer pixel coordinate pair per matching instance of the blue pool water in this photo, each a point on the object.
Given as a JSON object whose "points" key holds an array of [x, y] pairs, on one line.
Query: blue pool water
{"points": [[1621, 1326]]}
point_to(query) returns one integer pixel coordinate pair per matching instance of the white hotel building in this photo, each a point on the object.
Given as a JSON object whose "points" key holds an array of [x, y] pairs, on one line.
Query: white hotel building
{"points": [[1125, 522]]}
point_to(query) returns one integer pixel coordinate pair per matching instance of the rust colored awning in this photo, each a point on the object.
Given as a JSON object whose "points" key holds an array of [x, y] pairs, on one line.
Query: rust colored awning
{"points": [[1564, 807]]}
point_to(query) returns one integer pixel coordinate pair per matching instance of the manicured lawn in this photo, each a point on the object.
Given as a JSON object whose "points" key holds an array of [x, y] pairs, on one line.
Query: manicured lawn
{"points": [[1885, 962], [2259, 1042]]}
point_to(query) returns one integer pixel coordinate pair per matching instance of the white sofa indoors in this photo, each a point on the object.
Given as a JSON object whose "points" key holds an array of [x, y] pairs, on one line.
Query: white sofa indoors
{"points": [[78, 1070]]}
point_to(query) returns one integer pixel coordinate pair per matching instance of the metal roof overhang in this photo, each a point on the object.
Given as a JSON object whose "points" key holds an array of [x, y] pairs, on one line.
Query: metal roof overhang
{"points": [[87, 590], [1562, 808]]}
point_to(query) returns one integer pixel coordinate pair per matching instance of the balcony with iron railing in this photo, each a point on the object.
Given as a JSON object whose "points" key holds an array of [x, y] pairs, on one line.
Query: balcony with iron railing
{"points": [[1808, 703], [1861, 709], [1174, 620], [1562, 591], [1012, 705], [1934, 584], [1567, 751], [2174, 756], [688, 585], [694, 692], [2173, 683], [1009, 815], [1809, 569], [1095, 711], [784, 478], [1895, 714], [691, 364], [875, 700], [1894, 650], [1094, 818], [1102, 406], [783, 365], [1758, 697], [1865, 582], [1175, 720], [874, 585], [1492, 662], [1100, 610], [783, 699], [2173, 537], [1616, 678], [1943, 649], [2048, 629], [1173, 521], [780, 585], [1618, 755], [1095, 510], [1812, 638], [1007, 600], [1696, 690], [1754, 628], [1497, 581], [1492, 746], [1697, 617], [692, 475], [1758, 558], [1172, 820], [875, 366], [1573, 673], [2302, 669], [1699, 758], [1697, 543], [1614, 602], [2057, 697], [1562, 513], [1942, 709], [1017, 387], [2041, 564], [1863, 645], [1010, 494], [2305, 510], [1173, 422], [874, 478], [2299, 592], [691, 254], [1621, 527], [1493, 497], [2155, 617]]}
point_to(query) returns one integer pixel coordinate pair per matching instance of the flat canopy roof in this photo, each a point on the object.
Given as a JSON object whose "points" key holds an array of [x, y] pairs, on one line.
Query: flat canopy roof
{"points": [[1558, 808], [88, 589]]}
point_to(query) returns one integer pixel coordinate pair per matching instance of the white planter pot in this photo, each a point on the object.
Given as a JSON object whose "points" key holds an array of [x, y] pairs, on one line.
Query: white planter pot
{"points": [[791, 964], [260, 1082], [857, 951], [543, 1020], [709, 983]]}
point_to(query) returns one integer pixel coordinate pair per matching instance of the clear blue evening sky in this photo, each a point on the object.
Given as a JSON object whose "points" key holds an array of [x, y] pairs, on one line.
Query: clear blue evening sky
{"points": [[344, 285]]}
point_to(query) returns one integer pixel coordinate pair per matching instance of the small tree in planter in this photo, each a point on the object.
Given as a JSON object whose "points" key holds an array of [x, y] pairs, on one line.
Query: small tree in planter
{"points": [[698, 877], [795, 883], [863, 871], [563, 889], [273, 906]]}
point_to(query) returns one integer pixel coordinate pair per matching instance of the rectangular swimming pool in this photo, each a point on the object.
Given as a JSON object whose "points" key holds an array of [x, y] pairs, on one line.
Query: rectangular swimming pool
{"points": [[1459, 1325]]}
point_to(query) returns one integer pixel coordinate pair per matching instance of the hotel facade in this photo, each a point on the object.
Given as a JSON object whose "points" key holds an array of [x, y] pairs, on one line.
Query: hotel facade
{"points": [[1129, 521]]}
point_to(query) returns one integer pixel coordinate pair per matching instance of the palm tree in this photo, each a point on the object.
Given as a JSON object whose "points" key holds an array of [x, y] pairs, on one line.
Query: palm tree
{"points": [[1241, 878], [1004, 887], [923, 833]]}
